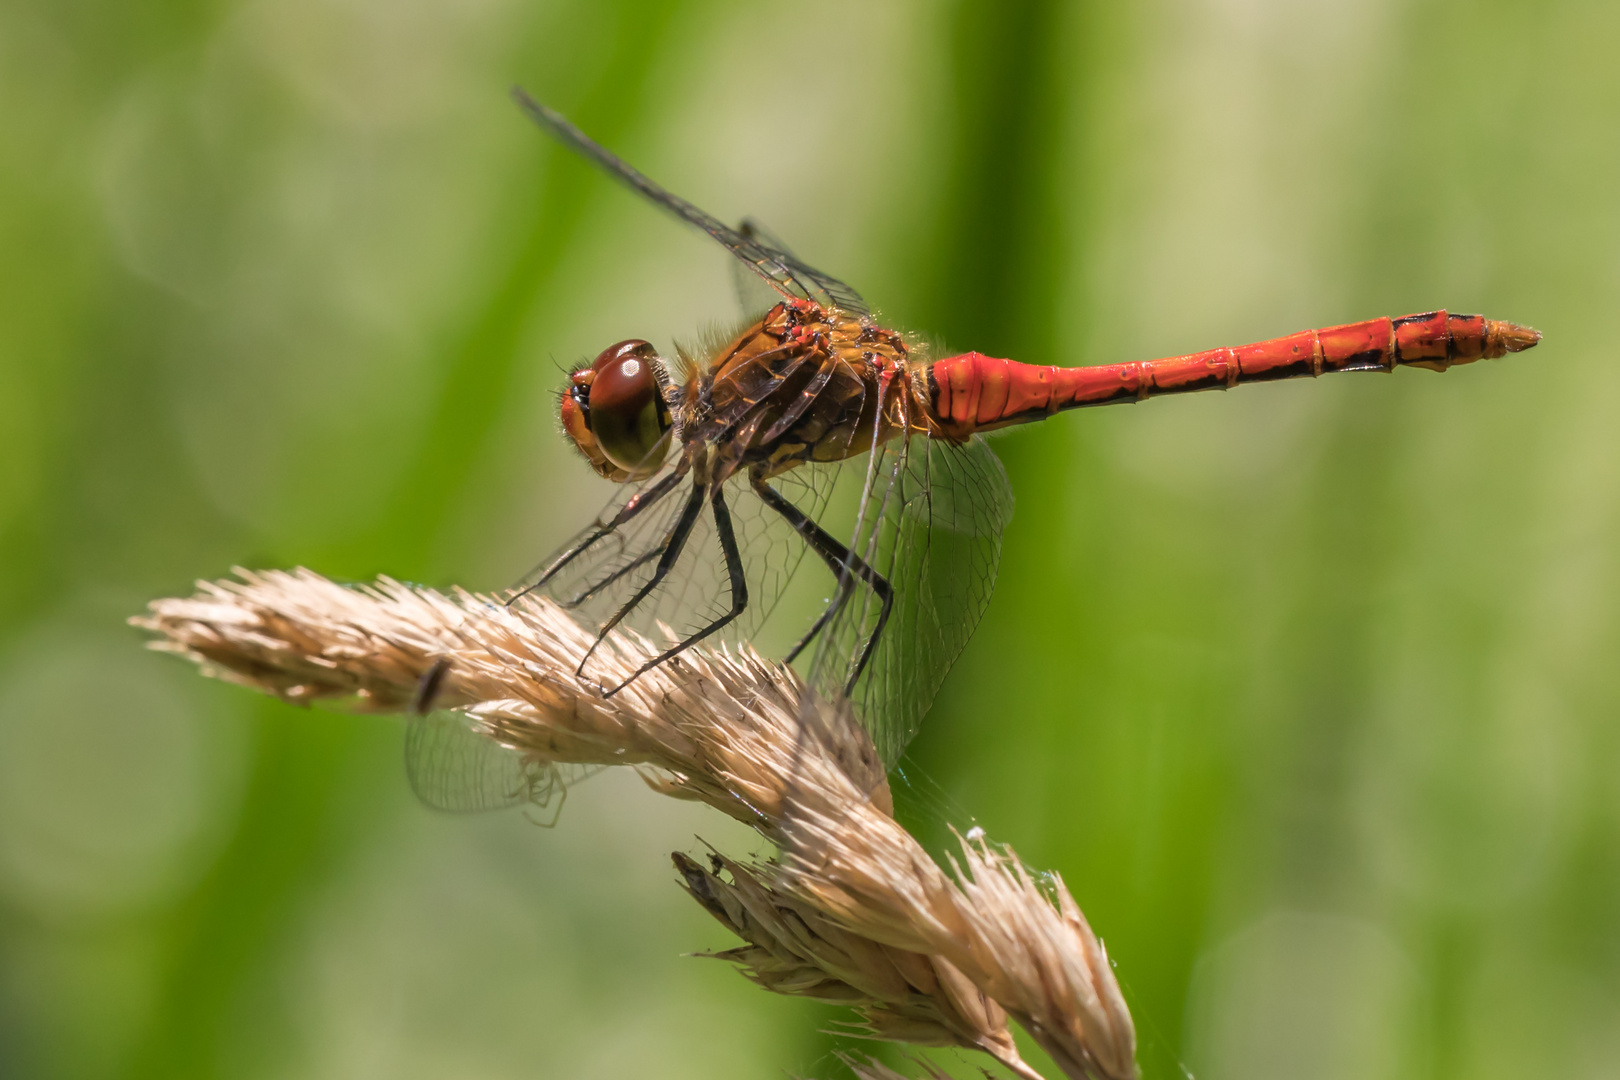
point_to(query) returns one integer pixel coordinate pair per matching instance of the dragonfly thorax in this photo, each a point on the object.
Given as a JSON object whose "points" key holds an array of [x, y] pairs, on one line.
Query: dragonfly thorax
{"points": [[803, 383]]}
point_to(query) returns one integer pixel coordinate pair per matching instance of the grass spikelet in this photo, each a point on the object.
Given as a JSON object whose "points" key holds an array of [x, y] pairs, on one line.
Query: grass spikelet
{"points": [[794, 948], [1024, 943]]}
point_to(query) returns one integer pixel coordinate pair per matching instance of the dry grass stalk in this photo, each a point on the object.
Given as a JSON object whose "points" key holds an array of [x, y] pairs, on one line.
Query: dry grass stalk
{"points": [[794, 948], [1025, 944], [856, 903], [709, 712]]}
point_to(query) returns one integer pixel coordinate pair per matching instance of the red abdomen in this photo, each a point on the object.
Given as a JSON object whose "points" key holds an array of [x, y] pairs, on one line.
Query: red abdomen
{"points": [[974, 392]]}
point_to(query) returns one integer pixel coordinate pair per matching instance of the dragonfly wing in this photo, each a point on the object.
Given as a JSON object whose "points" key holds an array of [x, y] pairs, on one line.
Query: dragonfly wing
{"points": [[454, 768], [825, 289], [930, 523], [754, 296], [781, 270]]}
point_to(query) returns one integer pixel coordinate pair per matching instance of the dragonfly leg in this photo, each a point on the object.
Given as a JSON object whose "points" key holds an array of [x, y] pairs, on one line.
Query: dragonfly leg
{"points": [[638, 502], [738, 581], [845, 587], [674, 543], [847, 566], [634, 565]]}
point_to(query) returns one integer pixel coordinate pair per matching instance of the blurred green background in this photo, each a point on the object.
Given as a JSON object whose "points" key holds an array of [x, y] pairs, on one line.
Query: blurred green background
{"points": [[1308, 690]]}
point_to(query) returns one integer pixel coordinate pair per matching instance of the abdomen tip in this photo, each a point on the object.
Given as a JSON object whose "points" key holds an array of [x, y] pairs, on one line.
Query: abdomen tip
{"points": [[1512, 338]]}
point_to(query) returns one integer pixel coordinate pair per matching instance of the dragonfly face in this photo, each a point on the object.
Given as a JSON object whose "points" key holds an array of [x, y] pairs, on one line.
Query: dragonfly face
{"points": [[615, 411]]}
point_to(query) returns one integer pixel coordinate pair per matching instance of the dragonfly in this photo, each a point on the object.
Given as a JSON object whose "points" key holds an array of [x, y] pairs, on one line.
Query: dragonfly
{"points": [[727, 455]]}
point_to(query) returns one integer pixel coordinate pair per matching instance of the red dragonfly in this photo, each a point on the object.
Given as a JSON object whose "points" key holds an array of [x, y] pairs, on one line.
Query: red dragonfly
{"points": [[727, 456]]}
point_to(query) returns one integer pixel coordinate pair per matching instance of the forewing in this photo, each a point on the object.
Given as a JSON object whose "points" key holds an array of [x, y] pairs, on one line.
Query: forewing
{"points": [[824, 288], [754, 296], [930, 522], [786, 274]]}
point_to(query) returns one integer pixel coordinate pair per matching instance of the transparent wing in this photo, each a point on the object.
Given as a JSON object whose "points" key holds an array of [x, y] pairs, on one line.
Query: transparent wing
{"points": [[455, 769], [616, 566], [785, 273], [930, 521], [754, 297]]}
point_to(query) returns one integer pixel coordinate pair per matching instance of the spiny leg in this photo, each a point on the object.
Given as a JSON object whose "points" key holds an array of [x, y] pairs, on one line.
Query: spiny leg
{"points": [[845, 565], [846, 585], [739, 589], [823, 544], [634, 565], [638, 502], [674, 543]]}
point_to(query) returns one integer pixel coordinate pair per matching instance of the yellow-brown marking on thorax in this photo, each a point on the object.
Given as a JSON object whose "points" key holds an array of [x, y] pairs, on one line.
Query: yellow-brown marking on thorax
{"points": [[804, 383]]}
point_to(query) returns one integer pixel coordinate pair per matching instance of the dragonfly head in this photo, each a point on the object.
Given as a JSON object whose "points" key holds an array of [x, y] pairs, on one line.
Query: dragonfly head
{"points": [[616, 414]]}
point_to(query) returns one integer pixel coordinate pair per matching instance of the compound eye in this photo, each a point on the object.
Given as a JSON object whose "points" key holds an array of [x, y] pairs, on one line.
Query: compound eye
{"points": [[626, 414]]}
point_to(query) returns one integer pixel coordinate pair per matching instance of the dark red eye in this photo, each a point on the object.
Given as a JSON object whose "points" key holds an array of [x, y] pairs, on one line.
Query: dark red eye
{"points": [[626, 414]]}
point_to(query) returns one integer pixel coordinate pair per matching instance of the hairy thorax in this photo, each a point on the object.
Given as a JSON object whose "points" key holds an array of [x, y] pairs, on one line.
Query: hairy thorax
{"points": [[804, 383]]}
